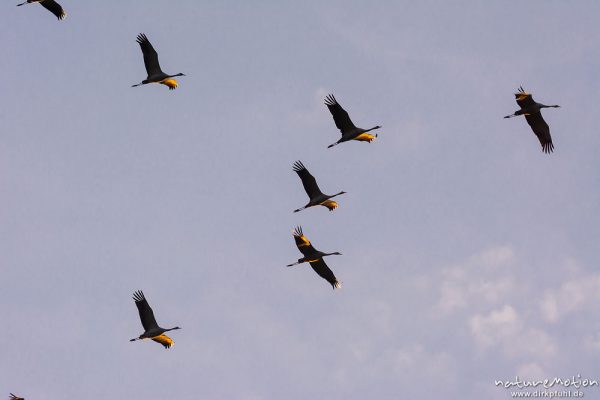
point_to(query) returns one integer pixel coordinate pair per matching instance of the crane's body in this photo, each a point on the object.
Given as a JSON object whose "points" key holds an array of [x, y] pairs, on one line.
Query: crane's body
{"points": [[151, 329], [531, 110], [155, 73], [346, 126], [316, 197], [49, 5], [315, 258]]}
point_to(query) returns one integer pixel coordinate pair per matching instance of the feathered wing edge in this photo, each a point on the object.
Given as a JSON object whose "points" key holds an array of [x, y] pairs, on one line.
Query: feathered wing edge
{"points": [[321, 268], [54, 8]]}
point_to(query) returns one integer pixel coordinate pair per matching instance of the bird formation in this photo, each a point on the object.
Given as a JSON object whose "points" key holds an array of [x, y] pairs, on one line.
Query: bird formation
{"points": [[317, 198], [530, 109]]}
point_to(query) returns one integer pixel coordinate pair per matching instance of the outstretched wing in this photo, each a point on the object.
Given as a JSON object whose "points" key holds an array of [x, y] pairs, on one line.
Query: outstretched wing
{"points": [[524, 99], [13, 397], [541, 130], [340, 116], [308, 181], [54, 8], [164, 340], [302, 242], [324, 272], [150, 55], [146, 314]]}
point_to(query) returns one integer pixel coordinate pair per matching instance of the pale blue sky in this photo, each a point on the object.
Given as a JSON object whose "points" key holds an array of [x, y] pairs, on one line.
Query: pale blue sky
{"points": [[468, 254]]}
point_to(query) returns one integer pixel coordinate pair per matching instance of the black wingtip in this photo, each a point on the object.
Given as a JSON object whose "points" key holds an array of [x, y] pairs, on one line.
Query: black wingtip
{"points": [[298, 231], [548, 148], [138, 296], [141, 38], [298, 166], [330, 100]]}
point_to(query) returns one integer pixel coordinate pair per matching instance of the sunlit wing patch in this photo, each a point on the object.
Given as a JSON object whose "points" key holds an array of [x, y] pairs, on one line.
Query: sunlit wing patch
{"points": [[301, 240], [171, 83], [330, 204], [524, 99], [164, 340], [365, 137]]}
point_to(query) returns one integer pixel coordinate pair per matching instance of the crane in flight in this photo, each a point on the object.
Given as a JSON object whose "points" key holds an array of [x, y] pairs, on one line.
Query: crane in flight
{"points": [[532, 112], [151, 328], [315, 258], [155, 74], [345, 125]]}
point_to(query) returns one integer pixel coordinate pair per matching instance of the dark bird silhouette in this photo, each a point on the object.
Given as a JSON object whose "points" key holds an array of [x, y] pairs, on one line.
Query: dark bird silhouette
{"points": [[155, 74], [13, 397], [345, 125], [317, 198], [532, 112], [315, 258], [49, 5], [152, 330]]}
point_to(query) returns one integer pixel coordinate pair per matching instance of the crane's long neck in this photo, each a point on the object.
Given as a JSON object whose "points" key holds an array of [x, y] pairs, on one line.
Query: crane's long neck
{"points": [[372, 129], [337, 194], [540, 105]]}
